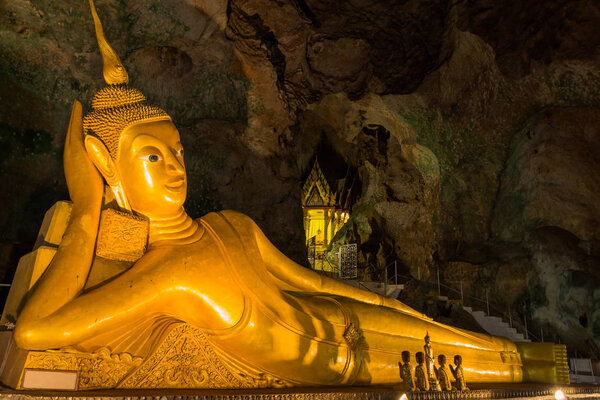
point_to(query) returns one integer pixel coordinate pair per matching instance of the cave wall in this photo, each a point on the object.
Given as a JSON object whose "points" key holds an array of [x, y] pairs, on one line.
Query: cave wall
{"points": [[473, 129]]}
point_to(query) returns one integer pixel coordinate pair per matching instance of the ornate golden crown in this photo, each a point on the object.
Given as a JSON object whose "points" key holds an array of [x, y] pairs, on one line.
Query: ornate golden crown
{"points": [[116, 106]]}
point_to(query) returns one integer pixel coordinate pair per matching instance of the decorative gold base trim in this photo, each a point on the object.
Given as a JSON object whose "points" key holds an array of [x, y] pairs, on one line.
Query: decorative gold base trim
{"points": [[185, 359], [98, 370]]}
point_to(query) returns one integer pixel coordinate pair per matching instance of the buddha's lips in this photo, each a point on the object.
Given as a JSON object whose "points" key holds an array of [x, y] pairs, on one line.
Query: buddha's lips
{"points": [[175, 185]]}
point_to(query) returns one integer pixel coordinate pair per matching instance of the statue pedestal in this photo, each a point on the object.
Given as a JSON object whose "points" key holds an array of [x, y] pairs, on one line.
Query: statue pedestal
{"points": [[497, 391], [434, 385]]}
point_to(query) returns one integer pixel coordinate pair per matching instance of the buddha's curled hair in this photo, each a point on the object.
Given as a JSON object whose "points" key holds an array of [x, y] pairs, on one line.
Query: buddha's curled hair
{"points": [[114, 108]]}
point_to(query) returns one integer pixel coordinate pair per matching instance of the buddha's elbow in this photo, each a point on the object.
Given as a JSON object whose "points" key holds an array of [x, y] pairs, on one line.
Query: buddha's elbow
{"points": [[24, 335], [27, 337]]}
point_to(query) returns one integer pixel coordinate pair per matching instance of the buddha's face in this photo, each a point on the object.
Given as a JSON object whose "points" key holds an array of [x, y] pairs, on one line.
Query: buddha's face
{"points": [[151, 168]]}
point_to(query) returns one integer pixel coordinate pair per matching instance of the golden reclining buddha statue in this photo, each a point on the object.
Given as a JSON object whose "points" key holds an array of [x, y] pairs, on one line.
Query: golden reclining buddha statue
{"points": [[140, 295]]}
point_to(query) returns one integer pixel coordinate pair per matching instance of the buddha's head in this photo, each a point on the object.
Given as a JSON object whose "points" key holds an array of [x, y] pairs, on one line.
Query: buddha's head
{"points": [[135, 145], [137, 149]]}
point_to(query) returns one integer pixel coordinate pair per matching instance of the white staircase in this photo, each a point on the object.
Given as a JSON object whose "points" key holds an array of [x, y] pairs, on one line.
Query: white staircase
{"points": [[495, 326]]}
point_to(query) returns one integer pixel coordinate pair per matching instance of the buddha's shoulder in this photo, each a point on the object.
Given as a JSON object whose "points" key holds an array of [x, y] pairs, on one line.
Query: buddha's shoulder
{"points": [[231, 219]]}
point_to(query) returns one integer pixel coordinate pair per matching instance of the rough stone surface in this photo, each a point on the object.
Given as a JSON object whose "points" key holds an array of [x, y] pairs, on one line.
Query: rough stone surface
{"points": [[548, 203], [470, 128]]}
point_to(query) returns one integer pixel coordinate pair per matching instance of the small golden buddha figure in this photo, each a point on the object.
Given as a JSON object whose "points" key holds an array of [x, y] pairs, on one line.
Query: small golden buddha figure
{"points": [[140, 295], [429, 363], [421, 379], [443, 375], [406, 372], [458, 373]]}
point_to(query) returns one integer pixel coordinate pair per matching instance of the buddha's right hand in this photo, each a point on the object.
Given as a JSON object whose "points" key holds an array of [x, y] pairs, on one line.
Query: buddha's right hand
{"points": [[85, 183]]}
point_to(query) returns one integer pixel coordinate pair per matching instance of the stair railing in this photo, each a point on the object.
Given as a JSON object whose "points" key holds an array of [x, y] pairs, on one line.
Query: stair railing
{"points": [[395, 277]]}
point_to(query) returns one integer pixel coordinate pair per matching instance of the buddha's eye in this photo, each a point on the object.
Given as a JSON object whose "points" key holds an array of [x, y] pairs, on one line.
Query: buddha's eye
{"points": [[152, 158], [180, 153]]}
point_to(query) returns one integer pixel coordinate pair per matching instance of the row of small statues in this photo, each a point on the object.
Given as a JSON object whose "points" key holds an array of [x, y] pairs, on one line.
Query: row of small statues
{"points": [[422, 380]]}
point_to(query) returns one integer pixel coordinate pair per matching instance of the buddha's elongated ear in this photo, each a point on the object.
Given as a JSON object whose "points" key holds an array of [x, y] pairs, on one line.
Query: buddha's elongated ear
{"points": [[100, 156]]}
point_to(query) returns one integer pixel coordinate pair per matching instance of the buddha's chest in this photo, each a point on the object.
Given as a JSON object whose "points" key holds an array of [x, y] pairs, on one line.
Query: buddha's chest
{"points": [[197, 281]]}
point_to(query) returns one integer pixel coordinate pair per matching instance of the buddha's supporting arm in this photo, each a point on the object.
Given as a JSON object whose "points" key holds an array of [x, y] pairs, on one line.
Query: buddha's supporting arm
{"points": [[306, 280], [67, 273]]}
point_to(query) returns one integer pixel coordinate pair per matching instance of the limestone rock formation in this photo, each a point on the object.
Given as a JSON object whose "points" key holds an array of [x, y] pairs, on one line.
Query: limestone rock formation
{"points": [[548, 202]]}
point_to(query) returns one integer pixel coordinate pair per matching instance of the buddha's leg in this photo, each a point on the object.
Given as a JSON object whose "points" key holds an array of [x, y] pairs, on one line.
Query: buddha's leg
{"points": [[388, 332], [116, 306]]}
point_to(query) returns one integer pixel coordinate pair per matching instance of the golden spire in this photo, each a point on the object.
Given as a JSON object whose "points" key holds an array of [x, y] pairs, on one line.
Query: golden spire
{"points": [[113, 70], [117, 105]]}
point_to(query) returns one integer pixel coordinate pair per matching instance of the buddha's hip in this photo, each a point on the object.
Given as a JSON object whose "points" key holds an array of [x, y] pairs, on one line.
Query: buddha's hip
{"points": [[293, 346]]}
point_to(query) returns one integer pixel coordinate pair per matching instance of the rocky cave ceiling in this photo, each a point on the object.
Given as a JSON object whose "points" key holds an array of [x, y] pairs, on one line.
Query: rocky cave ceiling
{"points": [[487, 168]]}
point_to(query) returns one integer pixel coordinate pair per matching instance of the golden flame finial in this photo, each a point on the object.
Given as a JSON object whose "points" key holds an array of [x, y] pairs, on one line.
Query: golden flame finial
{"points": [[113, 70]]}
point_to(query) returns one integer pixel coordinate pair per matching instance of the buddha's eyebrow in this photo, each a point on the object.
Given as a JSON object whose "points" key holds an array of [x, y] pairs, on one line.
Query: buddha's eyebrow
{"points": [[147, 137]]}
